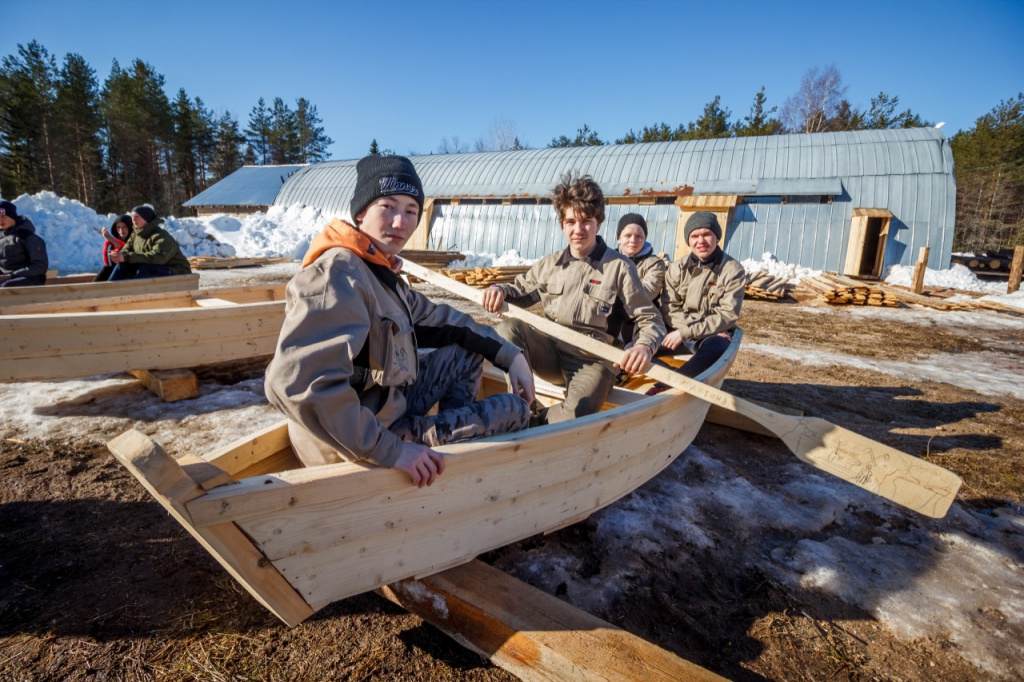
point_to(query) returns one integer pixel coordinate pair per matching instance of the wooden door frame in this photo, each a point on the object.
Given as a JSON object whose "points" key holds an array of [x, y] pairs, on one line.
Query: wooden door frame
{"points": [[855, 255]]}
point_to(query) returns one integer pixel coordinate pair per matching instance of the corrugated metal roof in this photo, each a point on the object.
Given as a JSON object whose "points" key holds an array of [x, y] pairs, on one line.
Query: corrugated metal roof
{"points": [[247, 186], [778, 164]]}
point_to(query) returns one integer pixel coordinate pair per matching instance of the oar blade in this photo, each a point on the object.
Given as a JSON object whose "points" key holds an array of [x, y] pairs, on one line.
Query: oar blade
{"points": [[909, 481]]}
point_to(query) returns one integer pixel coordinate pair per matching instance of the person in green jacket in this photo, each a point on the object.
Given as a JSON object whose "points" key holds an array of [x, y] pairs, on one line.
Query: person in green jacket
{"points": [[150, 251]]}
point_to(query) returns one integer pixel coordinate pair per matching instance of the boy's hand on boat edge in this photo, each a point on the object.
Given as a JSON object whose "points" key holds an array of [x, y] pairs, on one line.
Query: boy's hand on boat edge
{"points": [[421, 463]]}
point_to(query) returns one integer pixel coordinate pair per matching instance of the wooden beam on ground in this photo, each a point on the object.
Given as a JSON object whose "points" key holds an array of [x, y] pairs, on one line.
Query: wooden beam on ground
{"points": [[170, 385], [1016, 268], [917, 285], [723, 417], [532, 634]]}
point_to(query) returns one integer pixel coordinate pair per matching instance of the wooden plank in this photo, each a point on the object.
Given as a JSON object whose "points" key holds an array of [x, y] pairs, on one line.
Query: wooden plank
{"points": [[84, 344], [71, 292], [1016, 269], [917, 284], [170, 485], [170, 385], [247, 452], [206, 475], [871, 213], [532, 634], [248, 293]]}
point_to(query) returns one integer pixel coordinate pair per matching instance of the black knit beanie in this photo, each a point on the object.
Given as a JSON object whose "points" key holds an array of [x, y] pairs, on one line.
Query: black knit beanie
{"points": [[8, 209], [145, 212], [702, 220], [378, 176], [631, 219]]}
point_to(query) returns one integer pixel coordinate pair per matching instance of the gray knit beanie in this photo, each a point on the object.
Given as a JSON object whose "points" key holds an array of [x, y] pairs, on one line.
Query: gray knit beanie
{"points": [[378, 176], [702, 220]]}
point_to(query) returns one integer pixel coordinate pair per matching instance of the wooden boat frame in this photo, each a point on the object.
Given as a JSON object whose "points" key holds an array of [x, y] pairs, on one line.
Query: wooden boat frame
{"points": [[151, 332], [300, 538], [44, 293]]}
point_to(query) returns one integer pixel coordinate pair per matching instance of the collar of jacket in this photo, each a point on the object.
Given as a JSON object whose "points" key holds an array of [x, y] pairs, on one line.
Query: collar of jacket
{"points": [[338, 233], [715, 259], [148, 229], [594, 257]]}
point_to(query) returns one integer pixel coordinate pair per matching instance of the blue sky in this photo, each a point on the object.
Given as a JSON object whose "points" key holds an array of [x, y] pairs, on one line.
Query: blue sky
{"points": [[412, 73]]}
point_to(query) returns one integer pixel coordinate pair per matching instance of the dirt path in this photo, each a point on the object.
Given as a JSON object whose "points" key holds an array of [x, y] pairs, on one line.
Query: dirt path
{"points": [[97, 582]]}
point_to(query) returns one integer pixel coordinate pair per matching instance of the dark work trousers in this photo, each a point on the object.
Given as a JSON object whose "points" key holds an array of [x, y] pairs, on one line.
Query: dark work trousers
{"points": [[31, 281], [139, 271], [708, 351], [587, 381], [449, 377]]}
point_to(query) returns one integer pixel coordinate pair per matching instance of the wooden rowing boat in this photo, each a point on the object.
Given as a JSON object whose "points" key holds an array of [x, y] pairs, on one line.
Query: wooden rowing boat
{"points": [[62, 291], [171, 330], [300, 538]]}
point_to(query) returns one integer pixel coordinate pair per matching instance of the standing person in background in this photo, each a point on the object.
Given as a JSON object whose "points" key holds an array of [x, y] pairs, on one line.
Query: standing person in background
{"points": [[150, 251], [23, 259], [704, 293], [581, 288], [114, 240], [347, 373], [633, 244]]}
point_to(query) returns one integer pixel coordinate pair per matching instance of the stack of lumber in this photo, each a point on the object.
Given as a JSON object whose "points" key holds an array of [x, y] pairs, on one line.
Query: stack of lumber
{"points": [[761, 285], [211, 263], [435, 260], [484, 277], [850, 292]]}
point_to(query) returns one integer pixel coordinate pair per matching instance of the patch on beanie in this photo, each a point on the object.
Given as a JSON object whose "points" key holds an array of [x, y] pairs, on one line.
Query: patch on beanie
{"points": [[396, 186]]}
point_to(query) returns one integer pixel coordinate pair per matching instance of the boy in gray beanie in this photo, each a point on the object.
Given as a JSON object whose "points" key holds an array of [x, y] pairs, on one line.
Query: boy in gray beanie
{"points": [[704, 293]]}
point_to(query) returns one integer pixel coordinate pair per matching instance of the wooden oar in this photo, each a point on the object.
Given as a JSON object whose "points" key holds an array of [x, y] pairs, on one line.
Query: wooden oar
{"points": [[912, 482]]}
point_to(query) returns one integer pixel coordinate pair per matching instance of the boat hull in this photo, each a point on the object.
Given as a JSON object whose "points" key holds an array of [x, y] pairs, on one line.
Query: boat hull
{"points": [[333, 531], [62, 345]]}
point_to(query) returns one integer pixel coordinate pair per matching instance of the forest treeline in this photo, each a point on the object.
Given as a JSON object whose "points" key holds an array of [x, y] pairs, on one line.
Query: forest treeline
{"points": [[125, 141]]}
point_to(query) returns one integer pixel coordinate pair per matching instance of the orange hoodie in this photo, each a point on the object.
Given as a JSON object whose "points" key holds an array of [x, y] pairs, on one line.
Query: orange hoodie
{"points": [[339, 233]]}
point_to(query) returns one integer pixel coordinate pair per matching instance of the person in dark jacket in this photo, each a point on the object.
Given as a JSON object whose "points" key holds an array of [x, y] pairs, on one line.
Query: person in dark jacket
{"points": [[151, 251], [113, 240], [23, 260]]}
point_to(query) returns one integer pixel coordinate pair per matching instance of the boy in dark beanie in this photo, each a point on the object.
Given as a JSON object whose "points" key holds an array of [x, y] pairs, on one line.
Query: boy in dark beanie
{"points": [[704, 293], [150, 251], [23, 259], [346, 372], [633, 244]]}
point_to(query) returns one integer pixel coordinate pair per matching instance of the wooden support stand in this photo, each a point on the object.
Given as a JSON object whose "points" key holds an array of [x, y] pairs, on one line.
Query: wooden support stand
{"points": [[922, 264], [170, 385], [532, 634], [1016, 268]]}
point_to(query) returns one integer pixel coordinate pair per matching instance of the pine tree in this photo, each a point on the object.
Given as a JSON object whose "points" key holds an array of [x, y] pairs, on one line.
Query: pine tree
{"points": [[28, 93], [282, 136], [228, 140], [374, 149], [311, 141], [585, 137], [138, 131], [77, 114], [759, 121], [258, 132]]}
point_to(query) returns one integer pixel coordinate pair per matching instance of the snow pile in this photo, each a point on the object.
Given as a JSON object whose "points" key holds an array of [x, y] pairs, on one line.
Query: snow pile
{"points": [[281, 231], [771, 265], [1014, 300], [957, 277], [73, 244], [485, 260]]}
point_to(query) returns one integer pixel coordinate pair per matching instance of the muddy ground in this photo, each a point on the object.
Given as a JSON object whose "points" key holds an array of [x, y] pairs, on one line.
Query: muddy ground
{"points": [[97, 582]]}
